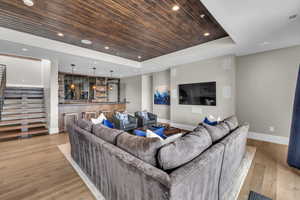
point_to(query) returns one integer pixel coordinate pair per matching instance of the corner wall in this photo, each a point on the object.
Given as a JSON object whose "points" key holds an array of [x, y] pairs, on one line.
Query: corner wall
{"points": [[131, 89], [221, 70], [265, 93]]}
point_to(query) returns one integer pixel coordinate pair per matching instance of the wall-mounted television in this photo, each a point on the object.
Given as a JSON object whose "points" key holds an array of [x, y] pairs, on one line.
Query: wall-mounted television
{"points": [[198, 94]]}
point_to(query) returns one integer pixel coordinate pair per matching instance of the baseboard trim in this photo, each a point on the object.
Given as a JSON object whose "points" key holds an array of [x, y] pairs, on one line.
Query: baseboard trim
{"points": [[53, 131], [268, 138]]}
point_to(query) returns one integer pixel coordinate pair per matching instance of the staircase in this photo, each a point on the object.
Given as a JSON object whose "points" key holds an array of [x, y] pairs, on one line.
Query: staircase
{"points": [[23, 112]]}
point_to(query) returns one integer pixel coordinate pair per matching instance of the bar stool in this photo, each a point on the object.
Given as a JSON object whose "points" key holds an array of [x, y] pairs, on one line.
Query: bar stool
{"points": [[89, 114], [69, 117]]}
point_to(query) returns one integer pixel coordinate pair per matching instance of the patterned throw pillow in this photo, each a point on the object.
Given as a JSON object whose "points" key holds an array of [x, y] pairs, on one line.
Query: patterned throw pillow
{"points": [[123, 117], [99, 120], [145, 115]]}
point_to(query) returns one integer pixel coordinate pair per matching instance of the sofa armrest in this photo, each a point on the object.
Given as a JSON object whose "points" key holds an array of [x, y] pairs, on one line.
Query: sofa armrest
{"points": [[191, 179], [117, 123], [132, 119], [152, 116], [111, 168]]}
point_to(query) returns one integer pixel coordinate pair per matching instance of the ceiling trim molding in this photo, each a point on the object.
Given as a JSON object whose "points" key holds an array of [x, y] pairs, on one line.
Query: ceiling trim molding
{"points": [[40, 42]]}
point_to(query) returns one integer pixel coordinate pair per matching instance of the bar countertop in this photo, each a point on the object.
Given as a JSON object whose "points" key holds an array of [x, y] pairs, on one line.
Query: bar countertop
{"points": [[82, 103]]}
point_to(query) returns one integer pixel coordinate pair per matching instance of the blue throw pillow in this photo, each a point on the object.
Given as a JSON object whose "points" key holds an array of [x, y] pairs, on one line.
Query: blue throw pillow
{"points": [[108, 124], [140, 133], [212, 123], [160, 132]]}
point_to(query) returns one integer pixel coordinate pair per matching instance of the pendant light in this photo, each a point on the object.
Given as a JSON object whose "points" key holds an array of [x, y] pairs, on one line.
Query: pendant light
{"points": [[94, 86], [111, 86], [72, 86]]}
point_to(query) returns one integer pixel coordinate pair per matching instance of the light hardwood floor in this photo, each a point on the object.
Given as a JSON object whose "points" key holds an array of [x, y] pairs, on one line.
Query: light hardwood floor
{"points": [[35, 169]]}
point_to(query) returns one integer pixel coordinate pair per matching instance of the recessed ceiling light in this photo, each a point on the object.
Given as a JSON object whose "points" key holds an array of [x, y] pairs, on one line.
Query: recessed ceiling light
{"points": [[139, 57], [107, 47], [206, 34], [28, 2], [86, 42], [293, 17], [60, 34], [175, 8], [202, 16], [24, 49]]}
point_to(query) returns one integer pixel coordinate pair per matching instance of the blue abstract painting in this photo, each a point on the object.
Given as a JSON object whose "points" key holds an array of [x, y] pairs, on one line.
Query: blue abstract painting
{"points": [[162, 96]]}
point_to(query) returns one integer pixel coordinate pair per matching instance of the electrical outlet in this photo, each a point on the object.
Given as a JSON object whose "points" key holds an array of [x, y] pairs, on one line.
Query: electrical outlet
{"points": [[271, 128]]}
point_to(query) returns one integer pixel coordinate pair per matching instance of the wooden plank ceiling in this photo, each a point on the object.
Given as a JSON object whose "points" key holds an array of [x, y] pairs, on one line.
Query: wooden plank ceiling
{"points": [[130, 28]]}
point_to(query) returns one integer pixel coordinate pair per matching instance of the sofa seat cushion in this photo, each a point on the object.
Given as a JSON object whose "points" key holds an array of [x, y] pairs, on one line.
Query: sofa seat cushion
{"points": [[85, 124], [218, 131], [105, 133], [232, 122], [142, 147], [184, 149]]}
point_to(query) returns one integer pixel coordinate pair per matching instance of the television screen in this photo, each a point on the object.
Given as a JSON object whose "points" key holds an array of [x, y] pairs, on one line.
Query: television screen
{"points": [[198, 94]]}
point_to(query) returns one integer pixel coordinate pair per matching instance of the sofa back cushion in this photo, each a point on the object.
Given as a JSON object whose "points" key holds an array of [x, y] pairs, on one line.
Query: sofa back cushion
{"points": [[218, 131], [184, 149], [232, 122], [105, 133], [85, 124], [142, 147]]}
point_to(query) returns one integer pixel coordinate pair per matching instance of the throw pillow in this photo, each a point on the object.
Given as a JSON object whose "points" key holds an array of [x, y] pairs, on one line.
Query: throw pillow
{"points": [[108, 123], [160, 132], [99, 120], [232, 122], [218, 131], [123, 117], [207, 121], [151, 134], [186, 148], [140, 133]]}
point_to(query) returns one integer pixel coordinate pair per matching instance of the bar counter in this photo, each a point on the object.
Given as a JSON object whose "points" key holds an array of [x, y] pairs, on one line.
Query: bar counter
{"points": [[70, 111]]}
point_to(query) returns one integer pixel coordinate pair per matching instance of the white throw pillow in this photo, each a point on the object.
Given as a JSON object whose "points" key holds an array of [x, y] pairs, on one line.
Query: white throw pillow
{"points": [[151, 134], [172, 138], [99, 120]]}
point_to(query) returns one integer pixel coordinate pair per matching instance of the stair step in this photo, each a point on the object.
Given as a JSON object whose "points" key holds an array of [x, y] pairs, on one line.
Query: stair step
{"points": [[22, 121], [22, 110], [21, 101], [10, 128], [13, 134], [23, 91], [22, 116], [23, 96], [24, 88], [20, 106]]}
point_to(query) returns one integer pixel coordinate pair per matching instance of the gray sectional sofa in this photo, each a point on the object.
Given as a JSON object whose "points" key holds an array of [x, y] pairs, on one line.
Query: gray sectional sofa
{"points": [[200, 165]]}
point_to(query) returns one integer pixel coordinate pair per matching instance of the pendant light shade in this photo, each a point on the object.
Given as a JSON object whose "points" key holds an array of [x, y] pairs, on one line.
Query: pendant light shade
{"points": [[72, 86]]}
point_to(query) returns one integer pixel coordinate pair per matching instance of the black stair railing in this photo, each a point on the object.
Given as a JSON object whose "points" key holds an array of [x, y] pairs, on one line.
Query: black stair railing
{"points": [[2, 87]]}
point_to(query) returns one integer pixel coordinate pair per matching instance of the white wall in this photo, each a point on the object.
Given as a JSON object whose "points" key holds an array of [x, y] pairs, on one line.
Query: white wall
{"points": [[265, 90], [222, 71], [147, 92], [22, 72], [161, 79], [131, 89]]}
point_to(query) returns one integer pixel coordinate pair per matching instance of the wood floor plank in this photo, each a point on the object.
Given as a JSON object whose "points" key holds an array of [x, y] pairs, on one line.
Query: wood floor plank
{"points": [[34, 169]]}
